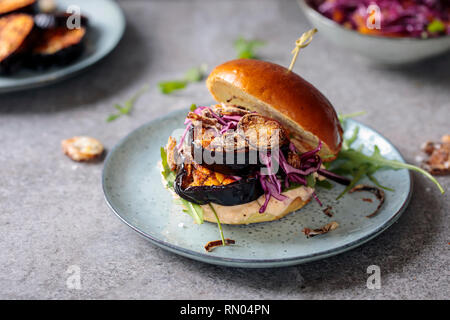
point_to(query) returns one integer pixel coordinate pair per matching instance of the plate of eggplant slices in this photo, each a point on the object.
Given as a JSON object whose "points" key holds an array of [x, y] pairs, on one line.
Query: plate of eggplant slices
{"points": [[268, 176], [44, 41]]}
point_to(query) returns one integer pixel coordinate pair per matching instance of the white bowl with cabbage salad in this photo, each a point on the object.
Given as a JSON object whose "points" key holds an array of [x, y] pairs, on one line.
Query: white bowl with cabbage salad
{"points": [[387, 32]]}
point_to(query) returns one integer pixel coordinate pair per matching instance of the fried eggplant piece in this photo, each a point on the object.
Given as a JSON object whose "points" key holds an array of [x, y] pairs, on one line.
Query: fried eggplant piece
{"points": [[16, 33], [202, 187], [10, 6], [58, 46], [262, 133], [237, 152]]}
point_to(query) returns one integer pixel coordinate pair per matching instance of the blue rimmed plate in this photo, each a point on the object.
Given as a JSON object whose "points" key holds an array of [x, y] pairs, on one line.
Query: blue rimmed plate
{"points": [[133, 190], [106, 27]]}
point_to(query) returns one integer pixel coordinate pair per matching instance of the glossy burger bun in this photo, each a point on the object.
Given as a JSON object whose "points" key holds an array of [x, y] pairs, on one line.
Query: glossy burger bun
{"points": [[280, 94], [249, 212]]}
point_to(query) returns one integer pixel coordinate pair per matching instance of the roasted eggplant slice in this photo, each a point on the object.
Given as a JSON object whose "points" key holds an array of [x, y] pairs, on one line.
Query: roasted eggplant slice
{"points": [[262, 133], [9, 6], [232, 160], [238, 152], [239, 192], [15, 39], [58, 46]]}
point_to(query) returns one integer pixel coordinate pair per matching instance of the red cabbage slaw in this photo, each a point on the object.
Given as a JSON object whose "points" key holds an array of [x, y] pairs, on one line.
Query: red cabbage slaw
{"points": [[399, 18], [310, 162], [227, 122]]}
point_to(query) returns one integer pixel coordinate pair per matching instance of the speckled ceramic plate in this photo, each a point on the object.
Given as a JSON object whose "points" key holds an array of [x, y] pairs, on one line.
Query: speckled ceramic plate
{"points": [[107, 25], [133, 190]]}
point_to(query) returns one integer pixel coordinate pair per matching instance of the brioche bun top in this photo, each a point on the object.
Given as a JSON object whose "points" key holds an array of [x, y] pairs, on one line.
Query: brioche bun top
{"points": [[280, 94]]}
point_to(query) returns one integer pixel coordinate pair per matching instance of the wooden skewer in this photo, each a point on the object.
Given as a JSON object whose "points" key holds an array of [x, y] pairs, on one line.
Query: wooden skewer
{"points": [[301, 43]]}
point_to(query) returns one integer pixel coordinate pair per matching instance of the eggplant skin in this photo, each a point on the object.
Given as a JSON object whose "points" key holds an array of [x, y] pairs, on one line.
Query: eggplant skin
{"points": [[16, 37], [240, 192], [246, 160], [236, 168], [58, 46]]}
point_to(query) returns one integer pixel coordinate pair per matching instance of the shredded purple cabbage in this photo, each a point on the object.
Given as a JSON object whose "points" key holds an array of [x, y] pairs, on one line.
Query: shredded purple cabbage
{"points": [[310, 162], [221, 121], [188, 126], [399, 18]]}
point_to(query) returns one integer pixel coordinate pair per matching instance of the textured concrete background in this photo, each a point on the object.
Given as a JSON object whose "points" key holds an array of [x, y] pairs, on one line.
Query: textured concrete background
{"points": [[52, 212]]}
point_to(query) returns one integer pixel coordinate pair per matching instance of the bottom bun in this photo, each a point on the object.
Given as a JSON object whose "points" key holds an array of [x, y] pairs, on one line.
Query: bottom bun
{"points": [[249, 212]]}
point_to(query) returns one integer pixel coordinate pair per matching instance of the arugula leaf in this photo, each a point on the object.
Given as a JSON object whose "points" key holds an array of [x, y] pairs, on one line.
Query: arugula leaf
{"points": [[354, 162], [292, 186], [194, 210], [128, 105], [375, 182], [436, 26], [112, 117], [246, 48], [324, 184], [167, 87], [343, 117], [347, 143], [193, 107], [377, 161], [195, 74], [218, 225], [356, 177], [310, 181], [168, 174]]}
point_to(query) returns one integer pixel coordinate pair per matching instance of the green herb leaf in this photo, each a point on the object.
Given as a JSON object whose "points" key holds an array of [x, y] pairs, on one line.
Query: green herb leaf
{"points": [[246, 48], [218, 225], [324, 184], [343, 117], [292, 186], [354, 162], [128, 105], [436, 26], [357, 176], [196, 74], [347, 143], [379, 162], [168, 174], [112, 117], [192, 75], [194, 210], [310, 181], [193, 107], [167, 87], [375, 182]]}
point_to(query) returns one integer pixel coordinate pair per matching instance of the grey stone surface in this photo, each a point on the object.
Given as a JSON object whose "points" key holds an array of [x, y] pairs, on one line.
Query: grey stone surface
{"points": [[52, 212]]}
